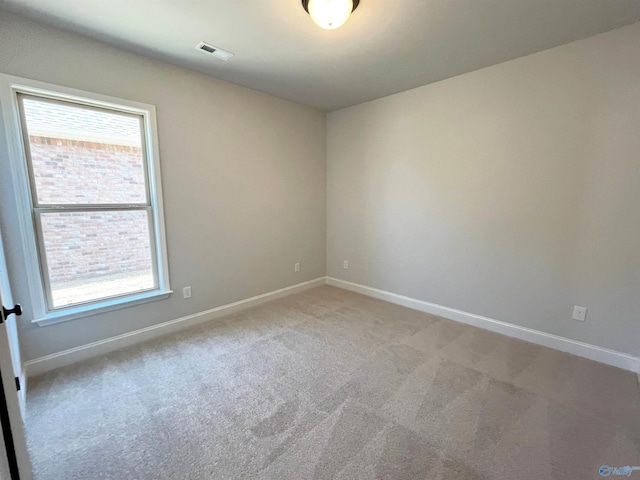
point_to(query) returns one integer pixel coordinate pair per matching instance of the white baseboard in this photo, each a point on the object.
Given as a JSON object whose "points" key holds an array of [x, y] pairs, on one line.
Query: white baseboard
{"points": [[592, 352], [85, 352], [90, 350]]}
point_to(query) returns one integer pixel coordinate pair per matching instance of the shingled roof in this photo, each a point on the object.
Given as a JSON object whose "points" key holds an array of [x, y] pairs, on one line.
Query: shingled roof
{"points": [[58, 120]]}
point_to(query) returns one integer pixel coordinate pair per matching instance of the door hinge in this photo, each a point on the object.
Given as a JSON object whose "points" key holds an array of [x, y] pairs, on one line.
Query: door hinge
{"points": [[18, 383]]}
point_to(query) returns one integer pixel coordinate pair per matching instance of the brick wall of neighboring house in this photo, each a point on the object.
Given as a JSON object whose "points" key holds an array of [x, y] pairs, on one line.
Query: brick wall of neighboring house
{"points": [[84, 245]]}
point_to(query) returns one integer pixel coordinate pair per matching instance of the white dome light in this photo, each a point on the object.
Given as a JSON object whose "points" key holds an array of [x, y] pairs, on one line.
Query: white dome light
{"points": [[330, 14]]}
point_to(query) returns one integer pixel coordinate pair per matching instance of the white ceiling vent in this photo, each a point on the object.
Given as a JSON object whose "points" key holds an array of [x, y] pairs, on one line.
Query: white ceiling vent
{"points": [[215, 51]]}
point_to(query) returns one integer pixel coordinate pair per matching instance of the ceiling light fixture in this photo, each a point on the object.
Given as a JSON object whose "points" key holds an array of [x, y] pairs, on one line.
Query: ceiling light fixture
{"points": [[330, 14]]}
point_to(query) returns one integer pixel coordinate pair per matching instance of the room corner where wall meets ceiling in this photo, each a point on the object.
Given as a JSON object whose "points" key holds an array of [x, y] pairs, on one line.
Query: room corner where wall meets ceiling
{"points": [[511, 192]]}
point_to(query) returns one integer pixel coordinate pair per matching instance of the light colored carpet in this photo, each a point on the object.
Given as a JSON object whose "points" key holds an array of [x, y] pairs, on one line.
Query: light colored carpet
{"points": [[330, 384]]}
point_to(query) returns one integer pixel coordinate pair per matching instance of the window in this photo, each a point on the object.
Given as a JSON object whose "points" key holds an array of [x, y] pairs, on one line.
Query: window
{"points": [[91, 181]]}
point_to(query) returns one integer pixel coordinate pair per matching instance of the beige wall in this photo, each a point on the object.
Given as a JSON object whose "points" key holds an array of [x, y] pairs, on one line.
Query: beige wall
{"points": [[243, 178], [511, 192]]}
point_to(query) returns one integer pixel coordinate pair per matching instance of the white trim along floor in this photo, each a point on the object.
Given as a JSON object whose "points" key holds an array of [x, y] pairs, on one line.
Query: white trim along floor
{"points": [[84, 352]]}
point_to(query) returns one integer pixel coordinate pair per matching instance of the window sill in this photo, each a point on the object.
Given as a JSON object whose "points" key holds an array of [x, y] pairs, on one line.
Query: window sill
{"points": [[82, 311]]}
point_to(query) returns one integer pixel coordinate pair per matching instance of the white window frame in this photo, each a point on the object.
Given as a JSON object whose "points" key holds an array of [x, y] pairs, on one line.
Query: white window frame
{"points": [[10, 87]]}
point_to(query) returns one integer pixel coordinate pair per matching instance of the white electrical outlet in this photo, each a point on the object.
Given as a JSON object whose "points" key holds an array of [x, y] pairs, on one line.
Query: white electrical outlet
{"points": [[186, 292], [296, 267], [579, 313], [345, 264]]}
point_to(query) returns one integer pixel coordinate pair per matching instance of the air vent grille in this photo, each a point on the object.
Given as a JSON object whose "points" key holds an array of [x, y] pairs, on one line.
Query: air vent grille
{"points": [[214, 51]]}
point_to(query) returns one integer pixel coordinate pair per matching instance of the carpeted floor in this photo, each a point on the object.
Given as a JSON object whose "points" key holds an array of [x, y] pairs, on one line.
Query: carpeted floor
{"points": [[330, 384]]}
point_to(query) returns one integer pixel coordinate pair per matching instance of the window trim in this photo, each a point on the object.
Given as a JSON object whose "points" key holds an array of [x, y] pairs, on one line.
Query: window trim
{"points": [[10, 87]]}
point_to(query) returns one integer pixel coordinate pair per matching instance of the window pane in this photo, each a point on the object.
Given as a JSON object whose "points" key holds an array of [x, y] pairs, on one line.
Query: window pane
{"points": [[94, 255], [82, 155]]}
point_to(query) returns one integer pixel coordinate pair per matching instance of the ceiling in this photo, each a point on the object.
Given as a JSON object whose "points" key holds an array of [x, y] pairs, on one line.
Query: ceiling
{"points": [[386, 47]]}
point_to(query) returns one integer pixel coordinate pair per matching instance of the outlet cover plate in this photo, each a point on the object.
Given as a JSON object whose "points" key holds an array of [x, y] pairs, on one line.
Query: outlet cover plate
{"points": [[579, 313]]}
